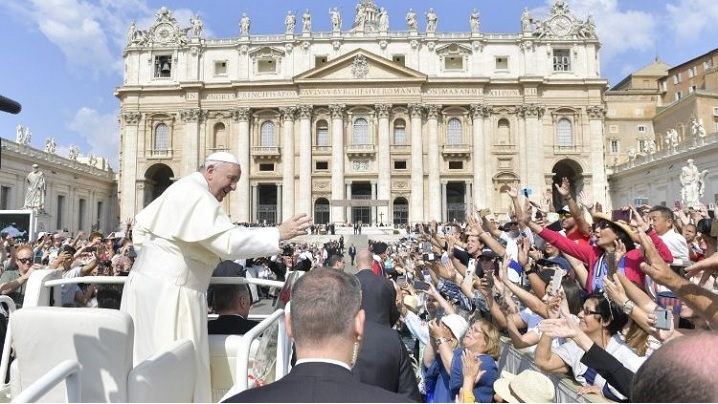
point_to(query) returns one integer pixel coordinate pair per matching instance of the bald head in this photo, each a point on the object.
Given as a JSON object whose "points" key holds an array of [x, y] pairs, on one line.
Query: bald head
{"points": [[672, 373], [364, 259]]}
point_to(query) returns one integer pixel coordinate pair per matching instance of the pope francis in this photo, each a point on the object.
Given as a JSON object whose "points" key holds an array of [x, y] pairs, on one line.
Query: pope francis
{"points": [[180, 238]]}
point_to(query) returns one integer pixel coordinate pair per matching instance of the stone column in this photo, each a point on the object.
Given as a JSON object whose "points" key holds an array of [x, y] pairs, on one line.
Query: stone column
{"points": [[533, 159], [241, 211], [444, 203], [337, 212], [374, 216], [280, 207], [479, 154], [305, 159], [416, 204], [255, 203], [286, 201], [383, 160], [190, 141], [434, 198], [599, 184], [128, 169]]}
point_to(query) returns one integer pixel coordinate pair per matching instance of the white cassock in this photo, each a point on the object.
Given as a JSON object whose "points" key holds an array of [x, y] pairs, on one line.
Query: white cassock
{"points": [[180, 238]]}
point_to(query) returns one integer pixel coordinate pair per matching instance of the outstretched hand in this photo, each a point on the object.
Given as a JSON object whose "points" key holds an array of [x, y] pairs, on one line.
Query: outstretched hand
{"points": [[294, 226]]}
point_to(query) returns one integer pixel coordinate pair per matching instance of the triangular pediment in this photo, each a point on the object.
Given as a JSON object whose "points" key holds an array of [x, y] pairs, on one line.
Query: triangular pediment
{"points": [[360, 65]]}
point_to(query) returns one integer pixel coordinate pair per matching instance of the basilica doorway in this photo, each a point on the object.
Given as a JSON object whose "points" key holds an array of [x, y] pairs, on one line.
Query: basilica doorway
{"points": [[361, 191], [571, 170], [157, 179]]}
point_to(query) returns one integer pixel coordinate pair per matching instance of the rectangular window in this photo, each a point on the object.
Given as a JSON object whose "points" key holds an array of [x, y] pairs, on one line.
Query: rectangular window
{"points": [[163, 66], [691, 89], [642, 143], [320, 60], [676, 78], [322, 136], [220, 68], [641, 128], [453, 63], [502, 63], [266, 167], [4, 198], [400, 165], [708, 64], [662, 86], [679, 95], [561, 60], [322, 165], [60, 211], [81, 214], [613, 129], [456, 165], [614, 146], [399, 59], [267, 66], [692, 72]]}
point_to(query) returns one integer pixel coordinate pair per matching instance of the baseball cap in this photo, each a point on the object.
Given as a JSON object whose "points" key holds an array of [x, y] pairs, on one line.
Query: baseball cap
{"points": [[488, 253], [456, 324], [564, 209], [555, 261]]}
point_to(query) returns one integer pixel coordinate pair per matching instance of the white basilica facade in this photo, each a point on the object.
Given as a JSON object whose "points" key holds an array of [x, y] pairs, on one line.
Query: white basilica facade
{"points": [[368, 122]]}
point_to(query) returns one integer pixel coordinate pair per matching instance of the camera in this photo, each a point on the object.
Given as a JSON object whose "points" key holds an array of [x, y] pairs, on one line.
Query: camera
{"points": [[429, 257], [663, 319]]}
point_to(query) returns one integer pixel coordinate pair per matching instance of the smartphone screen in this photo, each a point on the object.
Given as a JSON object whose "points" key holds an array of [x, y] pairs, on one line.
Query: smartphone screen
{"points": [[663, 318], [556, 279], [421, 285], [618, 214]]}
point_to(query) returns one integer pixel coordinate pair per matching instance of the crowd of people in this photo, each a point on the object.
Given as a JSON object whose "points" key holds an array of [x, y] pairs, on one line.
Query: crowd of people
{"points": [[618, 301]]}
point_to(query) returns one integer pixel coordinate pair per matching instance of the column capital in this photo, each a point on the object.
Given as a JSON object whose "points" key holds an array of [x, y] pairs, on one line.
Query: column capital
{"points": [[383, 110], [480, 110], [433, 110], [241, 113], [288, 113], [337, 110], [193, 115], [305, 111], [416, 110], [596, 111], [528, 110], [132, 117]]}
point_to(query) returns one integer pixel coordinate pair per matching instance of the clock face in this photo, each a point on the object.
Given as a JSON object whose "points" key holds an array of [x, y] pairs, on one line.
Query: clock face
{"points": [[561, 25], [163, 33]]}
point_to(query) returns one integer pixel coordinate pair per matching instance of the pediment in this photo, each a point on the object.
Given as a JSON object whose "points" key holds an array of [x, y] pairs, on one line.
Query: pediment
{"points": [[360, 65], [453, 49]]}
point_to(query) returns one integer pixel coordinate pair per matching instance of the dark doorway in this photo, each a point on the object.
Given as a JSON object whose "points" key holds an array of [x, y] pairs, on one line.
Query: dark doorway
{"points": [[321, 211], [455, 201], [267, 209], [361, 191], [401, 212]]}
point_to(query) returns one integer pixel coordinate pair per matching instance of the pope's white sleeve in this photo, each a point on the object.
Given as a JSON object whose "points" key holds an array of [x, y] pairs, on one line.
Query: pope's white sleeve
{"points": [[241, 242]]}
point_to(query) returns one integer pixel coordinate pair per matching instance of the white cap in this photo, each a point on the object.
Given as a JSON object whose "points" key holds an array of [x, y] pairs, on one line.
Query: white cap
{"points": [[223, 156]]}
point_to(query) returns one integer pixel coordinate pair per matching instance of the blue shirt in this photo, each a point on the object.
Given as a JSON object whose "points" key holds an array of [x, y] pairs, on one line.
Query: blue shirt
{"points": [[446, 387]]}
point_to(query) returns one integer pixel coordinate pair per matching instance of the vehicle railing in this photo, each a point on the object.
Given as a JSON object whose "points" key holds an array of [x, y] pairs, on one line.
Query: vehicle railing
{"points": [[41, 290], [67, 370]]}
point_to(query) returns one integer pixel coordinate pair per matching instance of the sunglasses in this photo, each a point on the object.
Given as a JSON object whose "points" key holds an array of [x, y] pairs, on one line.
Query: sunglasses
{"points": [[24, 260], [603, 224]]}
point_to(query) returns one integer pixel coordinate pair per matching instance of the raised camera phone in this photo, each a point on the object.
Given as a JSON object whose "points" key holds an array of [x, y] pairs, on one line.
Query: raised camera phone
{"points": [[90, 249], [469, 274], [421, 285], [663, 318], [556, 279], [620, 214], [429, 257]]}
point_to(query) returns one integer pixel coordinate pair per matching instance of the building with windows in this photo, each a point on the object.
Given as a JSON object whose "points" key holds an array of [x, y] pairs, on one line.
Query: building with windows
{"points": [[81, 192], [368, 123]]}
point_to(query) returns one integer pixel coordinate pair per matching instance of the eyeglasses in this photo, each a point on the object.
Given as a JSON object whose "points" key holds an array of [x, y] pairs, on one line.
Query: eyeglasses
{"points": [[591, 312], [566, 214], [603, 224], [24, 260]]}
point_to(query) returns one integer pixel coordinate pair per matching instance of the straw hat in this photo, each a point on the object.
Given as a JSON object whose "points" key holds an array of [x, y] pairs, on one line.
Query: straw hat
{"points": [[615, 225], [528, 386]]}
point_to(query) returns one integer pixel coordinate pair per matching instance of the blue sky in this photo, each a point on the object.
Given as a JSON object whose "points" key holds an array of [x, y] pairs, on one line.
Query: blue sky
{"points": [[62, 59]]}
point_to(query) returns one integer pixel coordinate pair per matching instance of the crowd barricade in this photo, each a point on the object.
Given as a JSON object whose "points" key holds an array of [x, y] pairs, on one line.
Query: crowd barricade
{"points": [[515, 361]]}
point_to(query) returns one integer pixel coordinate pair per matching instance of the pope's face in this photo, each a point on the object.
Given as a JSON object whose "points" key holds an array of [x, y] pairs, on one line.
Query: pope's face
{"points": [[222, 179]]}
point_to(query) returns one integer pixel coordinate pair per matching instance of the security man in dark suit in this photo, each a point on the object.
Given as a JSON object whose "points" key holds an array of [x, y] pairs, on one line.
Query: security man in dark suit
{"points": [[231, 302], [326, 323]]}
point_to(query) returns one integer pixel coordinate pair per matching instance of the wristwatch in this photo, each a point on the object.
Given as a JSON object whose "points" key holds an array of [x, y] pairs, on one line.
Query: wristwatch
{"points": [[628, 307], [439, 341]]}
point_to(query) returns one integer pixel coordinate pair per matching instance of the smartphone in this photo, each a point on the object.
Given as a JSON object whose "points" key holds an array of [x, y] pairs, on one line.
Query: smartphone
{"points": [[421, 285], [663, 318], [469, 274], [90, 249], [556, 279], [677, 205], [612, 264], [619, 214]]}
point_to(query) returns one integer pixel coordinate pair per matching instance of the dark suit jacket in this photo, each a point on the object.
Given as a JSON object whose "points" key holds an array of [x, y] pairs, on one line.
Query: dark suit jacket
{"points": [[378, 298], [384, 362], [230, 324], [318, 383]]}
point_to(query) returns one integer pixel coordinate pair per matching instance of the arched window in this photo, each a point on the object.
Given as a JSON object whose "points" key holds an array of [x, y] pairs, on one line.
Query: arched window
{"points": [[162, 137], [455, 134], [399, 132], [564, 132], [504, 132], [361, 131], [267, 134], [322, 133]]}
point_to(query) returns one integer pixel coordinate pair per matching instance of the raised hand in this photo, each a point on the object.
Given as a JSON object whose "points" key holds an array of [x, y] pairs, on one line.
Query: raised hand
{"points": [[564, 188], [585, 200]]}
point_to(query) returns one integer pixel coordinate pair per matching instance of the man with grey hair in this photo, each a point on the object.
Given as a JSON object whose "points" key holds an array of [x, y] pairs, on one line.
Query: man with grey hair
{"points": [[327, 324], [179, 238]]}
